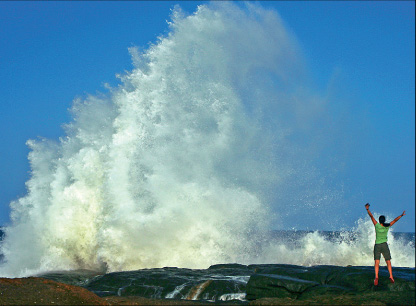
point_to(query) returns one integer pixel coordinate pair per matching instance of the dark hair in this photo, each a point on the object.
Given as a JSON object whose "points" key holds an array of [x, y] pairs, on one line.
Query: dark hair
{"points": [[382, 220]]}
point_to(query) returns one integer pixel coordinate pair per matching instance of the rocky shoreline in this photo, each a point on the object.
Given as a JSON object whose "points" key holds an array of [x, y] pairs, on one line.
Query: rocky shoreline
{"points": [[267, 285]]}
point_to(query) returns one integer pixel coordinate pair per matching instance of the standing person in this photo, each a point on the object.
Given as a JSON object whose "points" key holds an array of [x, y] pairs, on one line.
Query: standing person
{"points": [[381, 246]]}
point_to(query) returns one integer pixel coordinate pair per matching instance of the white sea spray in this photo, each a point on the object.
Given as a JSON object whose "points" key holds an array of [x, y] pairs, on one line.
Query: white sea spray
{"points": [[166, 169], [352, 247], [176, 166]]}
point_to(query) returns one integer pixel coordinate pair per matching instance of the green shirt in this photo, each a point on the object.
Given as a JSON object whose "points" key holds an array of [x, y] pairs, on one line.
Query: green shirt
{"points": [[381, 233]]}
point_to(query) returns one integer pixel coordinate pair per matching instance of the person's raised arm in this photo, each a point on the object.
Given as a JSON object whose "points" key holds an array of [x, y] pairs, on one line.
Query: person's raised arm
{"points": [[397, 219], [367, 206]]}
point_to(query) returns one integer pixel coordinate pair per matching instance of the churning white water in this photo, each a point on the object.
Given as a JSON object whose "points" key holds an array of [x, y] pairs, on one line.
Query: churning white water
{"points": [[353, 247], [173, 167]]}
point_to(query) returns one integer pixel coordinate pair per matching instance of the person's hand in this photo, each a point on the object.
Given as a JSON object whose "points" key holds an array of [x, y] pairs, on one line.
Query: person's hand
{"points": [[403, 213], [367, 206]]}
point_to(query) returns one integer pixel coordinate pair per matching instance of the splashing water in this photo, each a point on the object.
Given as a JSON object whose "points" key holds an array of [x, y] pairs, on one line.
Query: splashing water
{"points": [[163, 170], [353, 247], [174, 167]]}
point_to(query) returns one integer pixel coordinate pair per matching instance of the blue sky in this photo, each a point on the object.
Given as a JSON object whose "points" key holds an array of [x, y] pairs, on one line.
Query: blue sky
{"points": [[363, 53]]}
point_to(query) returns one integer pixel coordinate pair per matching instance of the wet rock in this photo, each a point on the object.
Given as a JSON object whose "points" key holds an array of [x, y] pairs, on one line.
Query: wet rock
{"points": [[296, 282], [236, 283], [228, 266], [274, 285], [323, 290], [79, 277], [215, 284]]}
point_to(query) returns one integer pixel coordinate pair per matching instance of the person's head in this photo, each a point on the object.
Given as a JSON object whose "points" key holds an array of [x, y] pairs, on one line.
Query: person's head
{"points": [[382, 220]]}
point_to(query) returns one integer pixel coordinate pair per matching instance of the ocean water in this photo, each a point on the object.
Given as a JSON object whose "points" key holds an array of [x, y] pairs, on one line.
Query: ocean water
{"points": [[312, 248], [176, 166], [307, 252], [229, 281]]}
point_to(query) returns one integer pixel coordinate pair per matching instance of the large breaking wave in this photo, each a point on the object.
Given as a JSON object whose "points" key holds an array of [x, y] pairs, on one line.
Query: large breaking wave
{"points": [[174, 167]]}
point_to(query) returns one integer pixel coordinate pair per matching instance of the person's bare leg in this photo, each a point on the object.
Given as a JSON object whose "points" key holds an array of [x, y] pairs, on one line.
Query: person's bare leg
{"points": [[388, 262], [376, 268]]}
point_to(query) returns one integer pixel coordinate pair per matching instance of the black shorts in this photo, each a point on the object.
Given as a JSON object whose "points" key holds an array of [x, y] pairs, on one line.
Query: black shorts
{"points": [[382, 248]]}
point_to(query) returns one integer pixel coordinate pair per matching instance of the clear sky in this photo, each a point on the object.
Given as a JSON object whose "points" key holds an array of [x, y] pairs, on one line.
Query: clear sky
{"points": [[363, 53]]}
